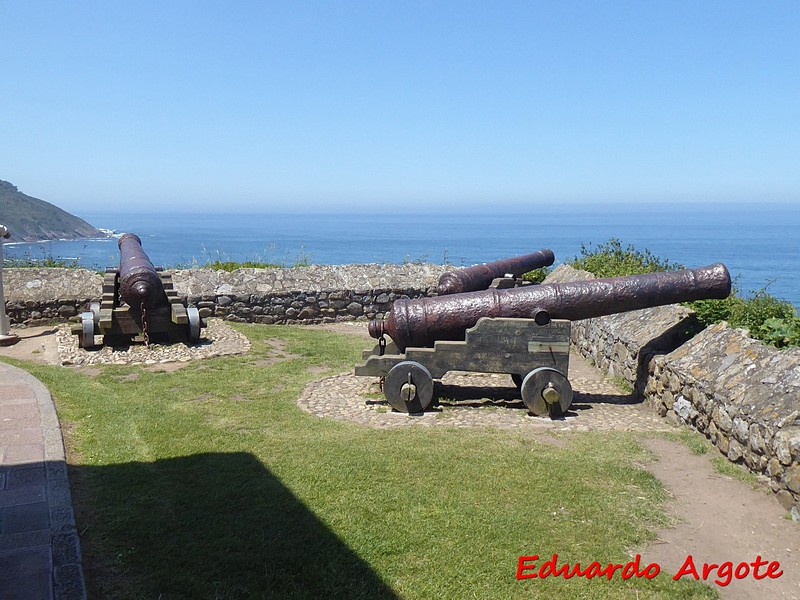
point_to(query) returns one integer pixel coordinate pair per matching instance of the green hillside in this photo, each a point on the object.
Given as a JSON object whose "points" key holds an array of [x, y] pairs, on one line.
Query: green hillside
{"points": [[31, 220]]}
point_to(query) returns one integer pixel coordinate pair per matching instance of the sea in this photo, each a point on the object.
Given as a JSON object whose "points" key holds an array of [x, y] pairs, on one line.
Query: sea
{"points": [[759, 243]]}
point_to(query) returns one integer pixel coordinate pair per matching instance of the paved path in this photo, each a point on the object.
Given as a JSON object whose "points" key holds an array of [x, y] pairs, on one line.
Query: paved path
{"points": [[40, 556]]}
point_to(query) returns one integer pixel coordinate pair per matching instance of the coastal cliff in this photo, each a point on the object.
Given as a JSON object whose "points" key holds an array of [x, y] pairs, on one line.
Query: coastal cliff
{"points": [[31, 220]]}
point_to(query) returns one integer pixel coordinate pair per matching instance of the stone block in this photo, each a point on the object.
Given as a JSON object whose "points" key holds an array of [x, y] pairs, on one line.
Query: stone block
{"points": [[307, 313], [355, 309], [67, 310], [735, 451], [791, 478], [785, 499]]}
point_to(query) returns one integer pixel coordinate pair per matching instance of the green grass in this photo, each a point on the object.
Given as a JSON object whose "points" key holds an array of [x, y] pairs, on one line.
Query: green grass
{"points": [[696, 442], [221, 261], [209, 482], [46, 261], [699, 444]]}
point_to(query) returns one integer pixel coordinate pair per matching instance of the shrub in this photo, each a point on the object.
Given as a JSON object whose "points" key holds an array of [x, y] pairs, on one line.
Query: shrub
{"points": [[611, 260], [537, 275], [780, 333], [767, 318]]}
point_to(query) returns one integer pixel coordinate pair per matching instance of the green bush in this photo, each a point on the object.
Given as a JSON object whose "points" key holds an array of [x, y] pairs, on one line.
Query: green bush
{"points": [[781, 333], [752, 313], [767, 318], [537, 275], [611, 260]]}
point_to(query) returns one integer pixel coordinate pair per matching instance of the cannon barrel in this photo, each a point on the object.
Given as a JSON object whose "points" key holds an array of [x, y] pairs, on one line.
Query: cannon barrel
{"points": [[421, 322], [139, 282], [479, 277]]}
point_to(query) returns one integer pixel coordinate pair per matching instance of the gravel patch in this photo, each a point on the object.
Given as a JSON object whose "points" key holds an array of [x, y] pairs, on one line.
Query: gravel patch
{"points": [[217, 339]]}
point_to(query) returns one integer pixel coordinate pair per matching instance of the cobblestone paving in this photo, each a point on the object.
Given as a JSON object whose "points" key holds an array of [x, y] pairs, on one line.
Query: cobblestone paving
{"points": [[484, 400], [217, 339]]}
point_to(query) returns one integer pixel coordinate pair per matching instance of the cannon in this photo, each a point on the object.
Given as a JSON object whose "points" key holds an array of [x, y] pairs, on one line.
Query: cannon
{"points": [[523, 332], [138, 303], [480, 277]]}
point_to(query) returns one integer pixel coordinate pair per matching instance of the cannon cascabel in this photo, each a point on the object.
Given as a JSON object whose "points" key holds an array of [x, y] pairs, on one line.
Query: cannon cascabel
{"points": [[421, 322], [480, 277]]}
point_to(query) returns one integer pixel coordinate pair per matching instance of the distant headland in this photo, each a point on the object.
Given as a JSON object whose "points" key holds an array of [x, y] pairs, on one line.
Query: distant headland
{"points": [[32, 220]]}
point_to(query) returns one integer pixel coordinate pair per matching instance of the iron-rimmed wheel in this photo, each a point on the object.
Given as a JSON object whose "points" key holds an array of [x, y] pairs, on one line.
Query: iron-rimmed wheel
{"points": [[86, 339], [408, 387], [546, 391], [194, 323], [94, 308]]}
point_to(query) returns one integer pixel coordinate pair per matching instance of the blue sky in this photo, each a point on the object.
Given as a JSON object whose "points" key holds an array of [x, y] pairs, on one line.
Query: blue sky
{"points": [[308, 106]]}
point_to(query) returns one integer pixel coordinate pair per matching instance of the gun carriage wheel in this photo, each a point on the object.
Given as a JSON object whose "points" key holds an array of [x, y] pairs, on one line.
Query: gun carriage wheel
{"points": [[86, 337], [546, 391], [194, 323], [409, 387]]}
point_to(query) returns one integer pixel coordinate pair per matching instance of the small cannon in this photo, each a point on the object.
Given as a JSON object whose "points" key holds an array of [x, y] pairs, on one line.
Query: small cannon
{"points": [[138, 303], [480, 277], [524, 332]]}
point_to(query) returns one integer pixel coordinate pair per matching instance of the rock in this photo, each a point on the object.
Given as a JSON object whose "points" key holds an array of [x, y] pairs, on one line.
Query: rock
{"points": [[735, 451], [791, 478], [67, 310], [307, 313], [682, 408], [355, 309]]}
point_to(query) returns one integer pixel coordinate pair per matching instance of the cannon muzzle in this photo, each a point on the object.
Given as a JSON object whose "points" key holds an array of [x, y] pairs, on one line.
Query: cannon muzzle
{"points": [[421, 322], [480, 277], [139, 282]]}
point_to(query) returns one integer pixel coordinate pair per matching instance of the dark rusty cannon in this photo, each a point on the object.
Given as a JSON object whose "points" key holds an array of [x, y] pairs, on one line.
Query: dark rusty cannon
{"points": [[480, 277], [523, 331], [138, 304], [139, 282]]}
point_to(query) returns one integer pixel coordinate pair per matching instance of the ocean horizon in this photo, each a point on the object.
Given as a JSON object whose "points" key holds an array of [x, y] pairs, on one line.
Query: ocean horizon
{"points": [[759, 244]]}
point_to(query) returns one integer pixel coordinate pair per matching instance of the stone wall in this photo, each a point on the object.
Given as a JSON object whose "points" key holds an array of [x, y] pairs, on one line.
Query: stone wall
{"points": [[315, 294], [47, 295], [743, 395]]}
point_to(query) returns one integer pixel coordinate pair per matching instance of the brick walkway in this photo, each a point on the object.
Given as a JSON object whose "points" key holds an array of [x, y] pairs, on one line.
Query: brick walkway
{"points": [[40, 556]]}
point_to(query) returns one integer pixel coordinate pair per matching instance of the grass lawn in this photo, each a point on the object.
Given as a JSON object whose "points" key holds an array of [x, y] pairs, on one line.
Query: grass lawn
{"points": [[209, 482]]}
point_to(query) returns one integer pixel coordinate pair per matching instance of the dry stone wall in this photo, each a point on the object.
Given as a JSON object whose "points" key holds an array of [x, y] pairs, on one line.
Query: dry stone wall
{"points": [[743, 395], [47, 295], [315, 294]]}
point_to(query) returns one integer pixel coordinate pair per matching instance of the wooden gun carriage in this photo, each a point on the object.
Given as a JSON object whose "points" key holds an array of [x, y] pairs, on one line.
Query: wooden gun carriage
{"points": [[138, 303], [536, 356], [522, 331]]}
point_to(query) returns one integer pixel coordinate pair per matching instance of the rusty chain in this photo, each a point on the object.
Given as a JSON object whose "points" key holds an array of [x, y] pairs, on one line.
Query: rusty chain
{"points": [[145, 333], [381, 352]]}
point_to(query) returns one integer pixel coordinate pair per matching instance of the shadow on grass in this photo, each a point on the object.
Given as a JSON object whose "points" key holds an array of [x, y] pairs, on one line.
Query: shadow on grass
{"points": [[209, 526]]}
